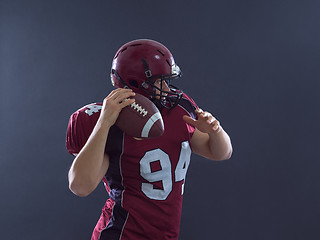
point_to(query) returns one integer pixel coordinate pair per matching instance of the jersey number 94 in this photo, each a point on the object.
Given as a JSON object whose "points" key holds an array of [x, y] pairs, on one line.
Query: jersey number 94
{"points": [[165, 174]]}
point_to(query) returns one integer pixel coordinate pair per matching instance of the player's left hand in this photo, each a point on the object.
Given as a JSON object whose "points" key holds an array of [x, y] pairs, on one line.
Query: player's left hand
{"points": [[205, 123]]}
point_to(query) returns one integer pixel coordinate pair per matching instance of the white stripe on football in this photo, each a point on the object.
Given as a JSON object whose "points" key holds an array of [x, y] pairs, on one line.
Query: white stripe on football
{"points": [[141, 119]]}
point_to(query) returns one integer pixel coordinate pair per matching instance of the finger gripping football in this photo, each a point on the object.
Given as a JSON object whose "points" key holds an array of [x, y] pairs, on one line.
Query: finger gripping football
{"points": [[141, 119]]}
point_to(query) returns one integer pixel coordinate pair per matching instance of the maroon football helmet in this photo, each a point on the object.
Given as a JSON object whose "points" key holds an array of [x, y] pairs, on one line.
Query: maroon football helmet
{"points": [[139, 63]]}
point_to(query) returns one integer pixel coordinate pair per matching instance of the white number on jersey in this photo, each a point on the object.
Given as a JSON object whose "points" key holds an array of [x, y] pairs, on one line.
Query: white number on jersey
{"points": [[92, 109], [183, 164], [164, 175]]}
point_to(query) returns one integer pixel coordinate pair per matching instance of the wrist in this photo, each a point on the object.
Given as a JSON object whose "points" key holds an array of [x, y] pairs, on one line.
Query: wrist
{"points": [[215, 132], [102, 125]]}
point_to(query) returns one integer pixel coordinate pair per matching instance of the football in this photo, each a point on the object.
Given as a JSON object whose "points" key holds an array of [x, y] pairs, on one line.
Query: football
{"points": [[141, 119]]}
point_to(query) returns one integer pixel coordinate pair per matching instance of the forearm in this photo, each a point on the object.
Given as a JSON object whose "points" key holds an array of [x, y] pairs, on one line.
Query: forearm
{"points": [[90, 165], [220, 145]]}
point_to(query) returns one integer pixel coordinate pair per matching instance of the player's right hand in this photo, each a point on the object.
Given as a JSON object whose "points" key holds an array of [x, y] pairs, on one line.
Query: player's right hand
{"points": [[113, 104]]}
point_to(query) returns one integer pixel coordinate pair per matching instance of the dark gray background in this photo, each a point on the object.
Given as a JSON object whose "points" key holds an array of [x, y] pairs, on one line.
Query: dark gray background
{"points": [[254, 64]]}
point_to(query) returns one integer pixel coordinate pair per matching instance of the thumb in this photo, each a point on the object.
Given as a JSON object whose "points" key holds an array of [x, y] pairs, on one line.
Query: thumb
{"points": [[189, 120]]}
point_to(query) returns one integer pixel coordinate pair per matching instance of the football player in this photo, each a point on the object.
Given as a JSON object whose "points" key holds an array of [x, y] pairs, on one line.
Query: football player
{"points": [[144, 178]]}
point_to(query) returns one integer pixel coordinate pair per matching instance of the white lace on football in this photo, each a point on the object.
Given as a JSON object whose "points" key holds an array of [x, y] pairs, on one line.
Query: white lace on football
{"points": [[139, 108]]}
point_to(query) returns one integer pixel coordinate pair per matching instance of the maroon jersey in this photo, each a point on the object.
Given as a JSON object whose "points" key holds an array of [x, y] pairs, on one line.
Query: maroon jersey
{"points": [[145, 178]]}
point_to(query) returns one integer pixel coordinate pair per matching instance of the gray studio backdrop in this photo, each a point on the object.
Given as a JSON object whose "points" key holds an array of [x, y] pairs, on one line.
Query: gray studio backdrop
{"points": [[253, 64]]}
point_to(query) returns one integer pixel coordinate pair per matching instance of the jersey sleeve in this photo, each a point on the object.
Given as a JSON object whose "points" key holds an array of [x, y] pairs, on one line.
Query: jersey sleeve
{"points": [[80, 126]]}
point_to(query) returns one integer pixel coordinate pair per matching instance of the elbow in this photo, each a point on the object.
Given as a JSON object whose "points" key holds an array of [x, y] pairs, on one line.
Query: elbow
{"points": [[222, 157], [80, 188], [228, 153], [228, 156]]}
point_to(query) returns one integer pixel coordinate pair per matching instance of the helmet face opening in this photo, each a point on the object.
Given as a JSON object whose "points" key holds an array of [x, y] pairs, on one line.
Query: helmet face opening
{"points": [[138, 64], [163, 98]]}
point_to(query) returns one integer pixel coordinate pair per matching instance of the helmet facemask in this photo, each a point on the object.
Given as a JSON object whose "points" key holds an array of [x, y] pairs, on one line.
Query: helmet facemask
{"points": [[162, 98]]}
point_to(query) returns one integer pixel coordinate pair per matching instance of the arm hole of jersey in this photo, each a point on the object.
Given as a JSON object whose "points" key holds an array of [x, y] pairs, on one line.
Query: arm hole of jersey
{"points": [[190, 108]]}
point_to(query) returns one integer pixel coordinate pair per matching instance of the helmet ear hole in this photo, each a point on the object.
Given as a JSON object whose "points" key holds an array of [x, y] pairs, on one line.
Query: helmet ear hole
{"points": [[134, 83]]}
